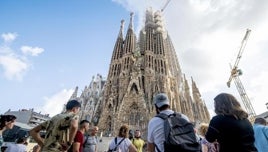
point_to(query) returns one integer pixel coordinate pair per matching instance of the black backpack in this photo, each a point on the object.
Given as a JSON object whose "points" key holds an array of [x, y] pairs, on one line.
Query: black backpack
{"points": [[115, 149], [179, 134]]}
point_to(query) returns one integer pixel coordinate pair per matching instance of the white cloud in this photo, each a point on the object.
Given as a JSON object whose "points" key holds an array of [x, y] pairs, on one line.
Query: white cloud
{"points": [[9, 37], [207, 35], [34, 51], [14, 67], [259, 90], [54, 104]]}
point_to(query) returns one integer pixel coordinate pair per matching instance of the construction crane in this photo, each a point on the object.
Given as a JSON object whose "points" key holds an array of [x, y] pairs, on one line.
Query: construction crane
{"points": [[165, 6], [235, 73]]}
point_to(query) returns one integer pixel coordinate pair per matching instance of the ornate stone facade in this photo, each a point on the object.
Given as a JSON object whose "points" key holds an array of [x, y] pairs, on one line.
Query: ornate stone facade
{"points": [[90, 99], [138, 71]]}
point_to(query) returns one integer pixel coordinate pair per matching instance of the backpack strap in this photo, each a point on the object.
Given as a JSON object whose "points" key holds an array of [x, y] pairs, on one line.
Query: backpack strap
{"points": [[164, 116], [116, 145], [115, 140], [158, 150], [84, 144], [166, 128]]}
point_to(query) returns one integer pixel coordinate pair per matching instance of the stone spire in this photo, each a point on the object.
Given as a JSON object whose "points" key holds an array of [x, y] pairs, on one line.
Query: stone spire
{"points": [[149, 30], [74, 95], [199, 104], [121, 29], [188, 100], [131, 21], [174, 65], [84, 92], [115, 68], [186, 85], [91, 99], [130, 39], [195, 90]]}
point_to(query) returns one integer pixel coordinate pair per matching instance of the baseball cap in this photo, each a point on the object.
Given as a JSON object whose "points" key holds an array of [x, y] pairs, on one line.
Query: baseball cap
{"points": [[160, 100]]}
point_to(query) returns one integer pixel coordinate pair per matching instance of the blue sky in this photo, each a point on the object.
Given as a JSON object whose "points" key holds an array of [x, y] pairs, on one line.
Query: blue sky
{"points": [[47, 48], [77, 38]]}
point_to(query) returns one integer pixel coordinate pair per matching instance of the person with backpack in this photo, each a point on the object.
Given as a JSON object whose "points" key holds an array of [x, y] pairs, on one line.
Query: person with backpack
{"points": [[91, 141], [163, 129], [77, 146], [60, 129], [121, 143], [230, 127]]}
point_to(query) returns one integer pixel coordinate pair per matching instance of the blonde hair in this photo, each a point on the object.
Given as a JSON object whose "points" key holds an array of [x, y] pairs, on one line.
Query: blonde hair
{"points": [[203, 128]]}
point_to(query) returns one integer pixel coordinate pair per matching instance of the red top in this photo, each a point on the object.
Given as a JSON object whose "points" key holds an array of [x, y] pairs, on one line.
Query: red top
{"points": [[79, 137]]}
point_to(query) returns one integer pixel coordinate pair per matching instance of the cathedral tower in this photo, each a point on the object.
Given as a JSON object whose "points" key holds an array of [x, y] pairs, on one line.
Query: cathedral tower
{"points": [[139, 70]]}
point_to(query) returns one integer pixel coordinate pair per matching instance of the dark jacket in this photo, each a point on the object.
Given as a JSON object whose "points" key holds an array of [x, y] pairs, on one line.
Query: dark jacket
{"points": [[232, 134]]}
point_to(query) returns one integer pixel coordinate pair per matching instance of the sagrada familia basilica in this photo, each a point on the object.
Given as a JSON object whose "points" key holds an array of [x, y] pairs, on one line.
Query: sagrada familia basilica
{"points": [[140, 69]]}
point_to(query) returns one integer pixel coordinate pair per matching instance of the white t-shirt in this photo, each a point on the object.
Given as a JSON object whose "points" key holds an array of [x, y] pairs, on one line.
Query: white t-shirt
{"points": [[156, 133], [123, 146], [12, 147]]}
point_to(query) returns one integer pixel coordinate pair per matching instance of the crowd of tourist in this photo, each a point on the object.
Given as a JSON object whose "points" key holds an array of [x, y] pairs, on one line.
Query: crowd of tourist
{"points": [[228, 131]]}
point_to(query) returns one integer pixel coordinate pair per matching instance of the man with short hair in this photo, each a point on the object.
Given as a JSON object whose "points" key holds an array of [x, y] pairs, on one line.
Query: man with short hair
{"points": [[156, 134], [261, 134], [137, 141], [60, 129], [79, 137], [91, 141]]}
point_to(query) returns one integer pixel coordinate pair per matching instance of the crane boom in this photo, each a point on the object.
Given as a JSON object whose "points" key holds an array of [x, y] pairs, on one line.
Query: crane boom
{"points": [[165, 6], [235, 73], [239, 55], [242, 48], [244, 97]]}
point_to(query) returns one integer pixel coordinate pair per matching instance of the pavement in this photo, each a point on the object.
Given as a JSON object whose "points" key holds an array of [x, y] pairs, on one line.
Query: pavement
{"points": [[104, 144]]}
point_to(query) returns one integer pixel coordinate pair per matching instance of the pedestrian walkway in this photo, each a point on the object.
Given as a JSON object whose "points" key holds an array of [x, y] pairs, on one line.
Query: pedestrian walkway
{"points": [[104, 145]]}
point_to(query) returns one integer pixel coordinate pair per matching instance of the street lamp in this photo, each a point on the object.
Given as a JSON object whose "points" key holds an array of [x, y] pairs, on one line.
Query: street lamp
{"points": [[266, 105]]}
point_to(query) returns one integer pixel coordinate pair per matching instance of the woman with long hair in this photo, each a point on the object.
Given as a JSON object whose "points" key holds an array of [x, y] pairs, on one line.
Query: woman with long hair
{"points": [[121, 142], [6, 122], [230, 127]]}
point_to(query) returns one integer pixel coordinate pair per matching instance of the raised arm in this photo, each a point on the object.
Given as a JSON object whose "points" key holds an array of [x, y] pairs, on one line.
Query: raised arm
{"points": [[36, 136]]}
